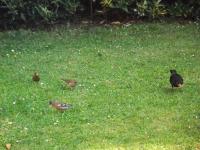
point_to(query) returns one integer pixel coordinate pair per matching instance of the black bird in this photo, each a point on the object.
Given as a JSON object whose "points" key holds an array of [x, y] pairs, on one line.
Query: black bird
{"points": [[176, 80]]}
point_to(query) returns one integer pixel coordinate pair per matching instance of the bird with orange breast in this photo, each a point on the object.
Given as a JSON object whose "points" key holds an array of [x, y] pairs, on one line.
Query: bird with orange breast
{"points": [[60, 106]]}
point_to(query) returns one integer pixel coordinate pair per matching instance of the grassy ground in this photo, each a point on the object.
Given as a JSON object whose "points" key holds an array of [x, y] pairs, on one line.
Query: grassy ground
{"points": [[123, 99]]}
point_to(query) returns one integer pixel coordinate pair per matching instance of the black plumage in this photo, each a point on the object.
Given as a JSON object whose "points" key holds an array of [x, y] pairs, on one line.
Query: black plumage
{"points": [[176, 79]]}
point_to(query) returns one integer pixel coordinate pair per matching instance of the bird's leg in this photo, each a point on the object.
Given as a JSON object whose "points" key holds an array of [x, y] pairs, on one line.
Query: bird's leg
{"points": [[63, 114]]}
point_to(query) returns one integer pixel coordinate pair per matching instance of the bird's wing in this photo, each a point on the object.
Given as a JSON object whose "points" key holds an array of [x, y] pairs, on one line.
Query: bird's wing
{"points": [[66, 106]]}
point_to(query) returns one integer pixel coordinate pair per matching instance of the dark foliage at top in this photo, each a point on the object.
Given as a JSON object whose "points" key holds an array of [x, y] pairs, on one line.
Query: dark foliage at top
{"points": [[14, 12]]}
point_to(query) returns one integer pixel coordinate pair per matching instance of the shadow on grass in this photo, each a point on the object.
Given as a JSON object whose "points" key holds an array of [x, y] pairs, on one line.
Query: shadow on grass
{"points": [[169, 90], [186, 87]]}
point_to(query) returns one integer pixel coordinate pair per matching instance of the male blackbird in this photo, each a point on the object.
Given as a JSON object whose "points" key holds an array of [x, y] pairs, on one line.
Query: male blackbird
{"points": [[175, 79]]}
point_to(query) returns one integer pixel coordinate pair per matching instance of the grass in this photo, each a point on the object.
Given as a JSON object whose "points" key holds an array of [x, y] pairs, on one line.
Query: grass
{"points": [[123, 99]]}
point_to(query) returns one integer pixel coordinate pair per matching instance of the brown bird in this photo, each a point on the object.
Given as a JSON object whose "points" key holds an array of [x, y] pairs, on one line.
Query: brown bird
{"points": [[60, 106], [36, 77], [70, 83]]}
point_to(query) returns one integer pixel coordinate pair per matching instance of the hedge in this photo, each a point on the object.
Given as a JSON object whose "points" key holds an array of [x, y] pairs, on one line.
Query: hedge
{"points": [[33, 11]]}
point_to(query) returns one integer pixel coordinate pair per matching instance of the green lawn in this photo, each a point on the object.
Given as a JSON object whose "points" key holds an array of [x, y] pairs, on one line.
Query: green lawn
{"points": [[123, 99]]}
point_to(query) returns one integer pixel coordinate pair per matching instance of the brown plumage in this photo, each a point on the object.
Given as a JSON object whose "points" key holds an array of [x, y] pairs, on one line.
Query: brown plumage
{"points": [[70, 83], [60, 106], [36, 77]]}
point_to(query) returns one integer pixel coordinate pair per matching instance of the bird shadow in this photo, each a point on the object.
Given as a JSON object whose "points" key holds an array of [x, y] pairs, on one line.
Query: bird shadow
{"points": [[169, 90]]}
